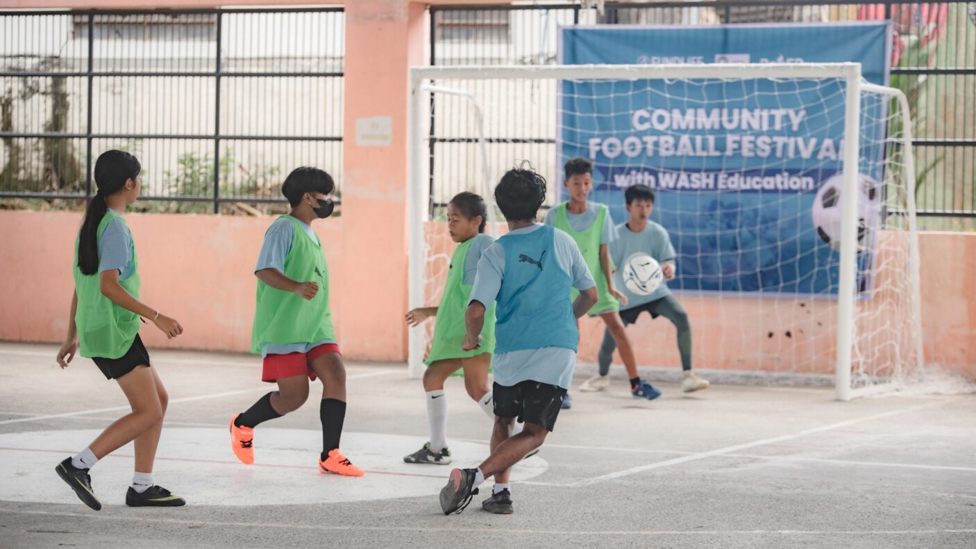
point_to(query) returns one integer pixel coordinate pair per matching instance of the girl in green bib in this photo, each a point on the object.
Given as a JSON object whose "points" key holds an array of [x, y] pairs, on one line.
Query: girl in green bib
{"points": [[466, 217], [292, 327], [104, 326]]}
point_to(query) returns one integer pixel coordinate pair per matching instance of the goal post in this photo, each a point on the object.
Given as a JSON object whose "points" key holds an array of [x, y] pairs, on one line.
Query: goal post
{"points": [[858, 314]]}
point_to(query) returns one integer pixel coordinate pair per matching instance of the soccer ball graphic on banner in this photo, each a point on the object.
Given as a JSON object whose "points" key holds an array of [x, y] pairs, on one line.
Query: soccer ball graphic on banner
{"points": [[827, 211], [642, 274]]}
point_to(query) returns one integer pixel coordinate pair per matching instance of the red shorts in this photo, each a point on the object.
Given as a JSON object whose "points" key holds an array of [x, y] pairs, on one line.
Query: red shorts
{"points": [[294, 364]]}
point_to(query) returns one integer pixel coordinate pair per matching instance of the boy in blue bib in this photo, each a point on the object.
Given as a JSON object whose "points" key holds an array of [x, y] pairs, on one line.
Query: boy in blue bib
{"points": [[529, 274]]}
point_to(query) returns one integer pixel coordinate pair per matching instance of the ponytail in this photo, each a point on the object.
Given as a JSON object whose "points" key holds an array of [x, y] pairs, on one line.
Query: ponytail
{"points": [[88, 237], [112, 169]]}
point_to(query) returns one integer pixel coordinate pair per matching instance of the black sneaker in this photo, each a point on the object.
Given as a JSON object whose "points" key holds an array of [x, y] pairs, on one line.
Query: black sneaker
{"points": [[457, 494], [426, 455], [80, 481], [500, 503], [154, 496]]}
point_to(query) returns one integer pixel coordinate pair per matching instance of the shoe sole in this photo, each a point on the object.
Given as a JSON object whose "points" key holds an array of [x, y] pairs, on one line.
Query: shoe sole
{"points": [[170, 503], [449, 492], [694, 389], [503, 511], [655, 397], [84, 495], [442, 462]]}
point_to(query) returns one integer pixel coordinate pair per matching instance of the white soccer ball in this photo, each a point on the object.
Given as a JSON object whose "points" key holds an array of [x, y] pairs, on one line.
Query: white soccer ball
{"points": [[642, 274], [827, 212]]}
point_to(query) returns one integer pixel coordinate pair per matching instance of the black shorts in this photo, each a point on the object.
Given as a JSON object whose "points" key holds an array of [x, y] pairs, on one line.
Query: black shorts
{"points": [[629, 316], [114, 368], [529, 401]]}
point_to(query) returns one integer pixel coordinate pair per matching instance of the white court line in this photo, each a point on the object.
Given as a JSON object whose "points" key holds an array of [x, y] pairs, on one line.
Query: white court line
{"points": [[611, 449], [737, 447], [859, 463], [172, 401], [486, 530]]}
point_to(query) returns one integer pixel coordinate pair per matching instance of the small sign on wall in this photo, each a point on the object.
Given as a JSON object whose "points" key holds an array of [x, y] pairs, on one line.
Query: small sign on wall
{"points": [[374, 131]]}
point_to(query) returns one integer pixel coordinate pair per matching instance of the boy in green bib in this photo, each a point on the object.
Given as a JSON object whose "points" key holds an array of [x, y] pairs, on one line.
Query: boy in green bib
{"points": [[592, 228], [104, 326], [466, 218], [293, 325]]}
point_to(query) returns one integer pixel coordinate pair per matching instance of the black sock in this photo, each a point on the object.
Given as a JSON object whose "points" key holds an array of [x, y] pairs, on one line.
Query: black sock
{"points": [[634, 383], [332, 412], [260, 412]]}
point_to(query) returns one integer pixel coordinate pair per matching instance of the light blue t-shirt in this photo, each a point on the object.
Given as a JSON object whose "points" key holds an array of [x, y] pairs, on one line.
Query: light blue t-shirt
{"points": [[653, 241], [115, 249], [277, 244], [552, 365], [583, 221], [479, 244]]}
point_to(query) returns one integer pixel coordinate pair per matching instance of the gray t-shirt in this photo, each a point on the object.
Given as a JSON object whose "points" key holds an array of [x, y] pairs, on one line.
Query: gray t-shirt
{"points": [[583, 221], [479, 243], [653, 241], [115, 249], [552, 365], [277, 244]]}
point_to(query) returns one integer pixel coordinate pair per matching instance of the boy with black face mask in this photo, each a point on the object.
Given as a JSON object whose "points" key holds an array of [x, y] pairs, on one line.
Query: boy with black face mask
{"points": [[293, 325]]}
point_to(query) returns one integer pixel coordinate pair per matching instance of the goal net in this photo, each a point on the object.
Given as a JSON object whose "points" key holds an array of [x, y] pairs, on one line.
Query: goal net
{"points": [[787, 191]]}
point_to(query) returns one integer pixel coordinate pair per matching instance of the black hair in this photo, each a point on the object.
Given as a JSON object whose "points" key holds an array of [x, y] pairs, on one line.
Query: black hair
{"points": [[577, 166], [306, 180], [471, 205], [638, 192], [112, 169], [520, 193]]}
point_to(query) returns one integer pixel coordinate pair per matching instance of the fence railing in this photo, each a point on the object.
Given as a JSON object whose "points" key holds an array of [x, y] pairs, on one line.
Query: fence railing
{"points": [[218, 105]]}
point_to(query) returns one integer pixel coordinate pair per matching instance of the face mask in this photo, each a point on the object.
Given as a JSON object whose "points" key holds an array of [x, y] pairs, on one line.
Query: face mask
{"points": [[324, 209]]}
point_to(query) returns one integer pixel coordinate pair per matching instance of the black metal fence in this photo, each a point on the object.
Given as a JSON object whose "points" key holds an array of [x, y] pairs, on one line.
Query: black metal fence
{"points": [[934, 62], [217, 104]]}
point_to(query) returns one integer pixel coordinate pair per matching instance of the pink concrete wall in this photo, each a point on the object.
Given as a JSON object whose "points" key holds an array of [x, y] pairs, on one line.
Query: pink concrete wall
{"points": [[197, 268]]}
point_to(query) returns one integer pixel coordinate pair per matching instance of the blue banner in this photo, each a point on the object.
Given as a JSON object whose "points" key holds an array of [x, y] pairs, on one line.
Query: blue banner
{"points": [[745, 172]]}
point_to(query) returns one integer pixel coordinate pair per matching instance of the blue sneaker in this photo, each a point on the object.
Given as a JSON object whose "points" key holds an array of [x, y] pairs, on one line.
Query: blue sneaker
{"points": [[645, 390], [567, 402]]}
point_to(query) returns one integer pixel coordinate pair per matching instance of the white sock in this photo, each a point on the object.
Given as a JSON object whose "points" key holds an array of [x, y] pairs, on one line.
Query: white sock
{"points": [[487, 405], [437, 419], [142, 482], [85, 460], [499, 487], [479, 478]]}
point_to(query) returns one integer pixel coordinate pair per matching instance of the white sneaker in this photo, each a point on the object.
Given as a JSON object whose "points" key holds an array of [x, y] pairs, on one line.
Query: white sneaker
{"points": [[692, 383], [594, 384]]}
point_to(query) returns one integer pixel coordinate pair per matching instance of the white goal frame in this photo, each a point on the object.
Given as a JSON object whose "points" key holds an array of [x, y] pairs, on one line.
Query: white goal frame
{"points": [[849, 73]]}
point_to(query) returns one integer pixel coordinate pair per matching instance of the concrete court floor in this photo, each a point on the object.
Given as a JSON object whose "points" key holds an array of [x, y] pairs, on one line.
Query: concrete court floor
{"points": [[733, 466]]}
